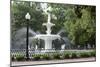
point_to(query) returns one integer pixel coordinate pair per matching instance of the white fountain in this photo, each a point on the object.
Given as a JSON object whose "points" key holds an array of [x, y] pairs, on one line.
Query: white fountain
{"points": [[48, 37]]}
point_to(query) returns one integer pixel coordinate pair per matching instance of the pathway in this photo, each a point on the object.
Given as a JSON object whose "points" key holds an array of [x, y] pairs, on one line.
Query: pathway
{"points": [[52, 61]]}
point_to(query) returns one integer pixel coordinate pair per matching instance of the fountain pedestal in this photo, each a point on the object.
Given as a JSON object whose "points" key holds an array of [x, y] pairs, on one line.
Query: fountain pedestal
{"points": [[48, 44]]}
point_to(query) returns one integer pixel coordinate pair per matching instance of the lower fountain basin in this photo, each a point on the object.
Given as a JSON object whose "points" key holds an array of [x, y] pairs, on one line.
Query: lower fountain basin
{"points": [[47, 36]]}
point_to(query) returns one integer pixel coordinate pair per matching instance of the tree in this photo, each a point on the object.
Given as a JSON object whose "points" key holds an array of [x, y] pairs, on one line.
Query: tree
{"points": [[79, 21], [82, 28], [60, 12], [18, 12]]}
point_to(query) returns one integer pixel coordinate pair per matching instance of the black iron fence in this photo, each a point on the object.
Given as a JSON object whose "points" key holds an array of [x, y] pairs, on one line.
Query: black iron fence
{"points": [[20, 54]]}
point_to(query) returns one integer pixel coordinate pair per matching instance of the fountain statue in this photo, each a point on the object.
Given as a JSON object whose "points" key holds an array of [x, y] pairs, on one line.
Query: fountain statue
{"points": [[48, 37]]}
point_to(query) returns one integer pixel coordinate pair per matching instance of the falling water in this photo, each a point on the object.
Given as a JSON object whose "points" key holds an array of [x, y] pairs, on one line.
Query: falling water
{"points": [[19, 41]]}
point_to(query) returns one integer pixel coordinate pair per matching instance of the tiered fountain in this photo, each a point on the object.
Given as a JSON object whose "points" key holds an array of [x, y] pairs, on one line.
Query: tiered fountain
{"points": [[48, 37]]}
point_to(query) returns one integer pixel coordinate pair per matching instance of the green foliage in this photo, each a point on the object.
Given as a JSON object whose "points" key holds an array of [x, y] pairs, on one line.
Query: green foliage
{"points": [[79, 21], [93, 53], [60, 12], [12, 58], [20, 58], [36, 57], [74, 55], [67, 55], [56, 56], [45, 57], [81, 29], [85, 54], [18, 12]]}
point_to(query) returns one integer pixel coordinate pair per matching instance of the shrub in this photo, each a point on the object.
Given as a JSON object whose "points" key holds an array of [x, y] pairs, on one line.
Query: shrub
{"points": [[56, 56], [20, 58], [74, 55], [12, 58], [78, 55], [66, 55], [85, 54], [36, 57], [93, 53], [45, 57]]}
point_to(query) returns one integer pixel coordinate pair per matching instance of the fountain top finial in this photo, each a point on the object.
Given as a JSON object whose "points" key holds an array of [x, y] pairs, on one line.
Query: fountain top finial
{"points": [[49, 13], [47, 9]]}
